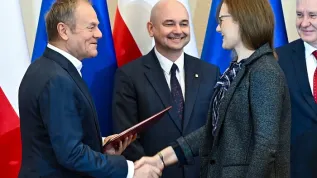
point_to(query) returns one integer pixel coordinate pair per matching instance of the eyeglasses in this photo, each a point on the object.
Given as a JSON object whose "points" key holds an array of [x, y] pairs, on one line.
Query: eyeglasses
{"points": [[220, 18]]}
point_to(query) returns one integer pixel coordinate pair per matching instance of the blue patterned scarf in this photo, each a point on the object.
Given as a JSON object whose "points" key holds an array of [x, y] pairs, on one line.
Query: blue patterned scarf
{"points": [[221, 87]]}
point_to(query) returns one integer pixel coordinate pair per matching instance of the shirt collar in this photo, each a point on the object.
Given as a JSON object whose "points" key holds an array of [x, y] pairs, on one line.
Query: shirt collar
{"points": [[166, 64], [77, 63], [309, 49]]}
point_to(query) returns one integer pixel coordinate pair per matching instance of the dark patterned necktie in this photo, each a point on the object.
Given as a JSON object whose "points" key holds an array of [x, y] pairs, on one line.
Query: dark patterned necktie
{"points": [[177, 94]]}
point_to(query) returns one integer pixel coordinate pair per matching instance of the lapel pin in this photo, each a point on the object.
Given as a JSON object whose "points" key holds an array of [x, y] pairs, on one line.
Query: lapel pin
{"points": [[196, 75]]}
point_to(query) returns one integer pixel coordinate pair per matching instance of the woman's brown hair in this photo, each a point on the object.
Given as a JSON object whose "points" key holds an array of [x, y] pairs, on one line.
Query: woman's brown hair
{"points": [[256, 21]]}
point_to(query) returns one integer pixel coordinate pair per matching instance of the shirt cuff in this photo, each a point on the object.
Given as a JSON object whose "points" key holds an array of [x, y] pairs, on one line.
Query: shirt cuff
{"points": [[130, 169]]}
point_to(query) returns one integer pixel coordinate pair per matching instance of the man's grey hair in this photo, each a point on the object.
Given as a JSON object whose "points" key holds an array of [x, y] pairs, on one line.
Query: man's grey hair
{"points": [[61, 11]]}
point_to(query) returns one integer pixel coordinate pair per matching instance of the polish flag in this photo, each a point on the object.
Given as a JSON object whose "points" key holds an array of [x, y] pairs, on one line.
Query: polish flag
{"points": [[13, 64], [130, 34]]}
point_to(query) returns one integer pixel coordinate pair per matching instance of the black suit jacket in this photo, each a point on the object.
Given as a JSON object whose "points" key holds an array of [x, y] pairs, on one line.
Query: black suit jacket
{"points": [[59, 125], [304, 110], [141, 90]]}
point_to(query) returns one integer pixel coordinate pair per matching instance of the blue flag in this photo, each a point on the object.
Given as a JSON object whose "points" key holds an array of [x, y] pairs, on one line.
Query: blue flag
{"points": [[212, 50], [280, 34], [97, 72]]}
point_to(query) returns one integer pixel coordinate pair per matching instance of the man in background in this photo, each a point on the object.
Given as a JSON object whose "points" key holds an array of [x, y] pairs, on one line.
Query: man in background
{"points": [[298, 61], [165, 77]]}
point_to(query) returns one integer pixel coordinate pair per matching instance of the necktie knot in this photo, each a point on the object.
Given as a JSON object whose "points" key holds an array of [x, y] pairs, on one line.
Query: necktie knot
{"points": [[174, 68]]}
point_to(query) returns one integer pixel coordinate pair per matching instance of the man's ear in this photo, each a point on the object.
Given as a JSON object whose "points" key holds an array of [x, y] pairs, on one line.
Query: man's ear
{"points": [[63, 30], [149, 26]]}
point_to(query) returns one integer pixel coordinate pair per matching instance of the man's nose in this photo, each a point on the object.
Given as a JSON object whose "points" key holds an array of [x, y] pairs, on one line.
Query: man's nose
{"points": [[177, 29], [98, 33], [305, 22]]}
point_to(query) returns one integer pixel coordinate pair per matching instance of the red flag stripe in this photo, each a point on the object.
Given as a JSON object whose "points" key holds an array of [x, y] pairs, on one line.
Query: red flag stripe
{"points": [[9, 119], [125, 45], [10, 139]]}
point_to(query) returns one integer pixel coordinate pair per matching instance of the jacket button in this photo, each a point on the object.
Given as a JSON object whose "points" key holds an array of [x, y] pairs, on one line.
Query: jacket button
{"points": [[212, 162]]}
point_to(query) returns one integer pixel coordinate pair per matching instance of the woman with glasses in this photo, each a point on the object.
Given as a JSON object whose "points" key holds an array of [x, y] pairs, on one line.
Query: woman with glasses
{"points": [[247, 134]]}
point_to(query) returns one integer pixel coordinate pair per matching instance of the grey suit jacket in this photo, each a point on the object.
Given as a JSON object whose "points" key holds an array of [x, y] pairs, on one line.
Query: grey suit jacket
{"points": [[253, 135]]}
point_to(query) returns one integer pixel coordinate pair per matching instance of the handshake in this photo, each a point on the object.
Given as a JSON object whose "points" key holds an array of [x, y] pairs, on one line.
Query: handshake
{"points": [[146, 167], [149, 167]]}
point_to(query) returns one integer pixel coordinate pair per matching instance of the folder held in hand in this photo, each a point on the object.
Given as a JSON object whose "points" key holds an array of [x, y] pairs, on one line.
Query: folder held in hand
{"points": [[136, 128]]}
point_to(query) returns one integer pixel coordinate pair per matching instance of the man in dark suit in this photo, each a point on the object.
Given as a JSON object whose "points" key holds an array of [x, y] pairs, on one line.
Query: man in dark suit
{"points": [[166, 76], [298, 61], [59, 124]]}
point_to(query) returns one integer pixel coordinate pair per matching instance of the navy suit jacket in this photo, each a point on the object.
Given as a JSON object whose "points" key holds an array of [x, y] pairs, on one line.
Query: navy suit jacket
{"points": [[141, 90], [59, 125], [304, 110]]}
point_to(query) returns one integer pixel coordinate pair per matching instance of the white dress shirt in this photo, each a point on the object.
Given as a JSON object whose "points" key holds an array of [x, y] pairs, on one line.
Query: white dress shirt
{"points": [[166, 65], [311, 64], [78, 65]]}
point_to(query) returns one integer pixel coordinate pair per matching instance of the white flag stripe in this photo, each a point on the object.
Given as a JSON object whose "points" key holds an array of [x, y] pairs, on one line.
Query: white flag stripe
{"points": [[15, 58], [136, 14]]}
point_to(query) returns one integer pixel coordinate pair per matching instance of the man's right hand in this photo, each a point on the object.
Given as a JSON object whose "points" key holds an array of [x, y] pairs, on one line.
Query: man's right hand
{"points": [[154, 161], [148, 171]]}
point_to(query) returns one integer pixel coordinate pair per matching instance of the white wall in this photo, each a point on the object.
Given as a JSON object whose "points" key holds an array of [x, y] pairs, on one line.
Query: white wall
{"points": [[289, 10], [31, 10]]}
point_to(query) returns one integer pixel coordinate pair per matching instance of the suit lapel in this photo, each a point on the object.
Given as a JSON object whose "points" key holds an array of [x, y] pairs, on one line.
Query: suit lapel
{"points": [[299, 62], [155, 76], [83, 87], [192, 81], [72, 71]]}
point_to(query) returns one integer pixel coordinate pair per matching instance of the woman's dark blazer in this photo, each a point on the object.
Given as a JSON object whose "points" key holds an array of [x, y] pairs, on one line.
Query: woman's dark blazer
{"points": [[253, 135]]}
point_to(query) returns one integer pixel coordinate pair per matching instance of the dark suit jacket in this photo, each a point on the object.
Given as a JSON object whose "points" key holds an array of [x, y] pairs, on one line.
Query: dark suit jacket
{"points": [[141, 90], [304, 110], [253, 135], [59, 125]]}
